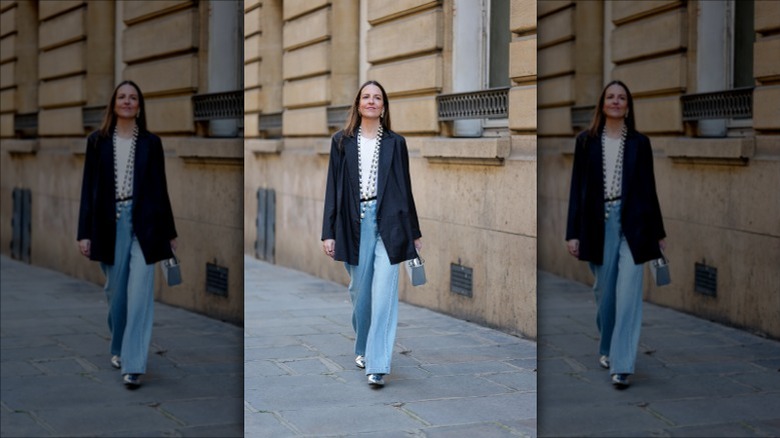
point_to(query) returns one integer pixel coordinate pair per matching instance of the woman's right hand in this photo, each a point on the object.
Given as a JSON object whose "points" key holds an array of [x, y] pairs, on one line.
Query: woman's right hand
{"points": [[84, 246], [329, 247], [574, 247]]}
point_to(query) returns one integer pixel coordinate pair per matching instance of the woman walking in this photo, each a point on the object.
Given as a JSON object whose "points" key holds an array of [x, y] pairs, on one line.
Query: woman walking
{"points": [[615, 223], [126, 223], [370, 223]]}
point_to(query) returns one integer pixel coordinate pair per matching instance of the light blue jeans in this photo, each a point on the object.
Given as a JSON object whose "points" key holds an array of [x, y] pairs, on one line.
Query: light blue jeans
{"points": [[130, 293], [618, 291], [373, 288]]}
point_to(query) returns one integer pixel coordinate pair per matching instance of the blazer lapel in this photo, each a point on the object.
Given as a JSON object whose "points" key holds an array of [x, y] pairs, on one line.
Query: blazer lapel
{"points": [[629, 163], [386, 154], [141, 161], [596, 160], [106, 162], [352, 163]]}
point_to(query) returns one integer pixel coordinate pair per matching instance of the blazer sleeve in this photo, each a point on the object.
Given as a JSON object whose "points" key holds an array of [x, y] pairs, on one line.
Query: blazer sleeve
{"points": [[331, 185], [158, 162], [574, 219], [416, 234], [87, 207]]}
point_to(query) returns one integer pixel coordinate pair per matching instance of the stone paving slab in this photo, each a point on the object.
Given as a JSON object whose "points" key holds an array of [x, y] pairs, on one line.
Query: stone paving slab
{"points": [[57, 380], [694, 378], [450, 378]]}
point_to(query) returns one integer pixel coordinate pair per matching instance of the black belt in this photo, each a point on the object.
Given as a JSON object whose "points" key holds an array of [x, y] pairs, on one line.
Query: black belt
{"points": [[373, 198], [616, 198], [123, 199]]}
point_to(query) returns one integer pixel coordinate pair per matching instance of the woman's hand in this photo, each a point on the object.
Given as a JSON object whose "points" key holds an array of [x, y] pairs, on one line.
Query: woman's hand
{"points": [[418, 244], [329, 247], [174, 244], [84, 247], [662, 244], [574, 247]]}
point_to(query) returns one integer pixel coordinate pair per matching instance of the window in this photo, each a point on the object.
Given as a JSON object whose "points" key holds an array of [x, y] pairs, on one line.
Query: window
{"points": [[480, 57], [725, 58]]}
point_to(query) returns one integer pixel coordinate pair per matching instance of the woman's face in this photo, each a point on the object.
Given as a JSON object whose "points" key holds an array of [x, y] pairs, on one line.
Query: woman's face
{"points": [[615, 102], [371, 102], [127, 103]]}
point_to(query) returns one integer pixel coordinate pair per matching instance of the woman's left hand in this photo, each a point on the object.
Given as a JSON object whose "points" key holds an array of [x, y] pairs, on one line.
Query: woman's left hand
{"points": [[174, 244], [418, 244], [662, 244]]}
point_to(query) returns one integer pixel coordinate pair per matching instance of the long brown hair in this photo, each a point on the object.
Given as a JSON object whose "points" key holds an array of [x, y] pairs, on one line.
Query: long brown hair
{"points": [[109, 116], [354, 118], [597, 123]]}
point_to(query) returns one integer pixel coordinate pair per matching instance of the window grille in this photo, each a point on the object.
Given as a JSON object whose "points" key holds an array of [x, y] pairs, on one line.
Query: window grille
{"points": [[461, 280], [485, 104], [581, 116], [269, 122], [705, 279], [216, 279], [92, 116], [213, 106], [337, 116], [26, 124], [728, 104]]}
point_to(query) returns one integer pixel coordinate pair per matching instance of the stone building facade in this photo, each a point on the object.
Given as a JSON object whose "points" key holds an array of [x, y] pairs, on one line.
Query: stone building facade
{"points": [[60, 61], [473, 168], [706, 82]]}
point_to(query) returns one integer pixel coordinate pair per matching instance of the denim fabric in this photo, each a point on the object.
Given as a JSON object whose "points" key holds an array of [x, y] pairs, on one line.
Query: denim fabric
{"points": [[130, 293], [373, 289], [618, 290]]}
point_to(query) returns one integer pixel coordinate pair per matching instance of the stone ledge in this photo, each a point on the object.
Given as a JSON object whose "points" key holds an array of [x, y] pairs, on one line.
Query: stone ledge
{"points": [[14, 146], [480, 151], [262, 146], [733, 151], [205, 148]]}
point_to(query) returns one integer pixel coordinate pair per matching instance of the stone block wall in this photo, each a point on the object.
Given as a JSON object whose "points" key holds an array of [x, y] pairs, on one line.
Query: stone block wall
{"points": [[716, 194], [475, 197], [59, 58]]}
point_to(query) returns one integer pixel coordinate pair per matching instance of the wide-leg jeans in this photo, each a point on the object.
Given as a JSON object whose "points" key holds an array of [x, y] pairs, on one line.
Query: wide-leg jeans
{"points": [[130, 292], [618, 290], [373, 289]]}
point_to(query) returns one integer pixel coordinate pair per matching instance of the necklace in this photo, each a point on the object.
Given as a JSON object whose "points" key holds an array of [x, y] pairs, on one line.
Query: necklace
{"points": [[124, 190], [368, 189], [612, 191]]}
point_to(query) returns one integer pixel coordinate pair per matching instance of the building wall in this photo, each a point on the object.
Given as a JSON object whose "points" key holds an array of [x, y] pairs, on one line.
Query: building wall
{"points": [[718, 195], [60, 57], [476, 197]]}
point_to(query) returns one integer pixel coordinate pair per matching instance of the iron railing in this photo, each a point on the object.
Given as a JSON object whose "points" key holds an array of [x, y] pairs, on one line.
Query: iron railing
{"points": [[213, 106], [485, 104], [728, 104]]}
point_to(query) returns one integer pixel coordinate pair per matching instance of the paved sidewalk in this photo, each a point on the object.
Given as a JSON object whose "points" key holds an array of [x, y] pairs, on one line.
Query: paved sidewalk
{"points": [[693, 377], [450, 378], [57, 380]]}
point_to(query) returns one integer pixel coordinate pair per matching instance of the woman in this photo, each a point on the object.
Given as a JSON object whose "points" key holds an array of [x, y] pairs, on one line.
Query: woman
{"points": [[615, 223], [370, 223], [126, 223]]}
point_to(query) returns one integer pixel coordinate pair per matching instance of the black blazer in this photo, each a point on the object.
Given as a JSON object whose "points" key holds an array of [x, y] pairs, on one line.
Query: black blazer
{"points": [[396, 213], [640, 217], [152, 214]]}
